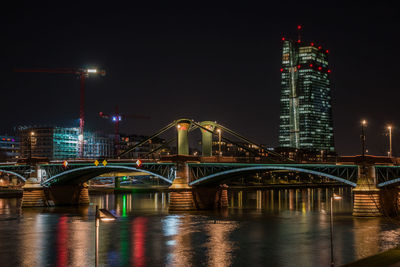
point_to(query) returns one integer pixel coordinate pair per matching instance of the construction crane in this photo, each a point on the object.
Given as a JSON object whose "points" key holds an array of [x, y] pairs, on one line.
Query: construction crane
{"points": [[82, 74], [116, 118]]}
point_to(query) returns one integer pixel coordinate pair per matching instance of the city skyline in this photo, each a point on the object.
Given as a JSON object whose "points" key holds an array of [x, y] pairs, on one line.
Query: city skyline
{"points": [[154, 135], [162, 68]]}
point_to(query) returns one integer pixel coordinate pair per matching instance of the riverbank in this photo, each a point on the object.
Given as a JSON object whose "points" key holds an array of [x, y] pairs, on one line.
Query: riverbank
{"points": [[390, 257]]}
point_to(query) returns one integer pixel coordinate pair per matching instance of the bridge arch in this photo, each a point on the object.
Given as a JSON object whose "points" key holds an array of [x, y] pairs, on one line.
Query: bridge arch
{"points": [[390, 182], [15, 174], [83, 174], [223, 174]]}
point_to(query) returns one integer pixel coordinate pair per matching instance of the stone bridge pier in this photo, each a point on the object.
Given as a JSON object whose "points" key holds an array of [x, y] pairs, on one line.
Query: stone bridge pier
{"points": [[35, 195], [367, 200], [185, 198]]}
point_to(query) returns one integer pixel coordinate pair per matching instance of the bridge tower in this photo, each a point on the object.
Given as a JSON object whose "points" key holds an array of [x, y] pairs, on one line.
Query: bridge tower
{"points": [[183, 142], [366, 194], [206, 138]]}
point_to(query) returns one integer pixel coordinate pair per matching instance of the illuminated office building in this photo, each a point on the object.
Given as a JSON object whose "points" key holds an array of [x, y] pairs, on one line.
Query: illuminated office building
{"points": [[9, 147], [57, 143], [306, 111]]}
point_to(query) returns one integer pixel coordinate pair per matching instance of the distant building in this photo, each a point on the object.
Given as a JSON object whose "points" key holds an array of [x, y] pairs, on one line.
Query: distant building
{"points": [[98, 145], [306, 111], [305, 155], [49, 142], [9, 147], [240, 149], [127, 141], [62, 143]]}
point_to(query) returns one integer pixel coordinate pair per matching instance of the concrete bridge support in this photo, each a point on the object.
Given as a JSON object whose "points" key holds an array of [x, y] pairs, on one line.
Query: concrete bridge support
{"points": [[367, 200], [183, 143], [181, 195], [211, 198], [69, 194], [117, 182], [206, 138], [33, 195], [390, 201]]}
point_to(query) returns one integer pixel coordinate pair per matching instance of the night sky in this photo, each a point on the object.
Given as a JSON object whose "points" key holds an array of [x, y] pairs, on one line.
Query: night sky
{"points": [[221, 64]]}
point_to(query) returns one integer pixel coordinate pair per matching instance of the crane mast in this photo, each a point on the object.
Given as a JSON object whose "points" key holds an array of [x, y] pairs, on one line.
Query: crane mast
{"points": [[82, 74]]}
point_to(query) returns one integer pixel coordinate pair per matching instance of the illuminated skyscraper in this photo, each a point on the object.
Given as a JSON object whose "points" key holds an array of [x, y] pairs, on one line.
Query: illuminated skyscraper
{"points": [[306, 111]]}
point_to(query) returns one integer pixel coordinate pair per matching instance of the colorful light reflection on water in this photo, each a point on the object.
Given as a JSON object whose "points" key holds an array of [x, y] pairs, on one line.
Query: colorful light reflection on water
{"points": [[276, 228]]}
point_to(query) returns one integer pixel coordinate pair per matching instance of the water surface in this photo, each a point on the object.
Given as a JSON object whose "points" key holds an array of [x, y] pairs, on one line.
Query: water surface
{"points": [[261, 228]]}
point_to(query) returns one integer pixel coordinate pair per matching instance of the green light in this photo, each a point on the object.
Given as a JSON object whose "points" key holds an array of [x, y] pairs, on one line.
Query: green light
{"points": [[124, 206]]}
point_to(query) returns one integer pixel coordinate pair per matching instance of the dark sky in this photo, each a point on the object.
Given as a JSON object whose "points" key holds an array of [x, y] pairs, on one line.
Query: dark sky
{"points": [[219, 63]]}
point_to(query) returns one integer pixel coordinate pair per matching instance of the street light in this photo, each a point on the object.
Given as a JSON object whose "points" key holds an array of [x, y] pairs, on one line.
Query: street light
{"points": [[390, 140], [363, 125], [219, 142], [32, 134], [333, 197], [104, 215]]}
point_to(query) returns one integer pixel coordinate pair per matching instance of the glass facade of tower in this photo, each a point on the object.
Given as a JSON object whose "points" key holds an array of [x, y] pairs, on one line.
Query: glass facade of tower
{"points": [[306, 112]]}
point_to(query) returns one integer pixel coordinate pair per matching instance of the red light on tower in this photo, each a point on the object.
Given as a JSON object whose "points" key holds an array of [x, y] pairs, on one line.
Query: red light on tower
{"points": [[311, 65], [319, 68], [298, 66], [299, 27], [298, 41], [312, 44], [329, 71], [327, 51], [281, 70], [283, 38], [319, 47]]}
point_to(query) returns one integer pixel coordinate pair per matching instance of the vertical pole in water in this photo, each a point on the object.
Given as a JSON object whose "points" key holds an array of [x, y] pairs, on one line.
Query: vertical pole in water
{"points": [[331, 228], [97, 237]]}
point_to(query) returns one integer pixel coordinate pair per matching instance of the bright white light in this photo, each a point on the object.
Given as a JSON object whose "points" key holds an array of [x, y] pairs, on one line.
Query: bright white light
{"points": [[107, 219], [92, 70], [336, 197], [80, 137]]}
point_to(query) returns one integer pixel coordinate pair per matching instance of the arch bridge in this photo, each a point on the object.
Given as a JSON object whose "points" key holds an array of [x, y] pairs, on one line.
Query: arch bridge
{"points": [[193, 177]]}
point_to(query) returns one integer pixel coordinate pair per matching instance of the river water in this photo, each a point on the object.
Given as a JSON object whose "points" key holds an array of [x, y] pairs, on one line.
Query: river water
{"points": [[260, 228]]}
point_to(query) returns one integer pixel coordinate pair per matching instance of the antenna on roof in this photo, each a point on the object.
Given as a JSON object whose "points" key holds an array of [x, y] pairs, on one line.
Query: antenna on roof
{"points": [[299, 33]]}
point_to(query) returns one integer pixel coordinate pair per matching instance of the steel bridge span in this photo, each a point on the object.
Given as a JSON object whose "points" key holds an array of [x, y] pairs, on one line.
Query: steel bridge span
{"points": [[189, 180], [194, 180]]}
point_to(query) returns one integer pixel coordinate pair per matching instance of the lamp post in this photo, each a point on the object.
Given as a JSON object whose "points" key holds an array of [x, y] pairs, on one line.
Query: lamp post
{"points": [[30, 136], [333, 197], [219, 142], [390, 140], [104, 215], [363, 125]]}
